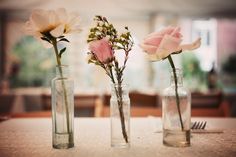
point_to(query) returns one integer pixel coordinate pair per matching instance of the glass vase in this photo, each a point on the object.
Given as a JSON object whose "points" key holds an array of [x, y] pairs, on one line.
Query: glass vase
{"points": [[120, 116], [176, 113], [62, 89]]}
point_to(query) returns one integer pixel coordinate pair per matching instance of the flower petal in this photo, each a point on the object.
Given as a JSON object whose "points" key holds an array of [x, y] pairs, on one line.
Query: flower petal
{"points": [[73, 18], [62, 14], [167, 30], [58, 31], [148, 48], [28, 28], [73, 24], [169, 44], [53, 18], [76, 29], [153, 35], [176, 32], [196, 44], [154, 57], [40, 19], [102, 49], [154, 41]]}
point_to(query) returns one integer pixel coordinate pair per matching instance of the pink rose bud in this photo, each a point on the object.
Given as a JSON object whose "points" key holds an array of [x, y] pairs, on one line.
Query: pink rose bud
{"points": [[102, 49], [159, 45]]}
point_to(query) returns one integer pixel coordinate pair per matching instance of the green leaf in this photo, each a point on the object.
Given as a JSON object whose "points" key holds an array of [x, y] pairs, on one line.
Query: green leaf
{"points": [[89, 40], [61, 36], [64, 39], [90, 61], [92, 35], [98, 17], [46, 39], [97, 63], [62, 51]]}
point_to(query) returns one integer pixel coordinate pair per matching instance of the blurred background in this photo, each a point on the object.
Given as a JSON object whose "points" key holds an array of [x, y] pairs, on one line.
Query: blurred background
{"points": [[26, 67]]}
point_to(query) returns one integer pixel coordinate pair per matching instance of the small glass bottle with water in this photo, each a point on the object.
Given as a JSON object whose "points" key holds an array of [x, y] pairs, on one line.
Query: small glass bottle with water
{"points": [[120, 116], [62, 89], [176, 117]]}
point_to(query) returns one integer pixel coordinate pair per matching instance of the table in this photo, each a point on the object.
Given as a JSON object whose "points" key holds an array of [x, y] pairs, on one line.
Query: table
{"points": [[32, 137]]}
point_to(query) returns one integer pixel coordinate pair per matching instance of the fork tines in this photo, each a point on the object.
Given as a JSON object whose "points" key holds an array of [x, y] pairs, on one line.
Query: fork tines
{"points": [[199, 125]]}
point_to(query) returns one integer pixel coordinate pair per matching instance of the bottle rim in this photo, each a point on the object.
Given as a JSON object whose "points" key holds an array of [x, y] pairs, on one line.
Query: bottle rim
{"points": [[63, 66]]}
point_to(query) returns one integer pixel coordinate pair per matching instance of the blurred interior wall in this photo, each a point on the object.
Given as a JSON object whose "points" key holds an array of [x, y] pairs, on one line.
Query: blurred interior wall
{"points": [[2, 43], [226, 38]]}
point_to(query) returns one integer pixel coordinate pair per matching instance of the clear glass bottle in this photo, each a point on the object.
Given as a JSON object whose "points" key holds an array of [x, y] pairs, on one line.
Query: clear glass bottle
{"points": [[120, 116], [176, 120], [62, 89]]}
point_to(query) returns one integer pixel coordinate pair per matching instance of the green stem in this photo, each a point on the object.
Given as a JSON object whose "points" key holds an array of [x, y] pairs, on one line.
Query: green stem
{"points": [[54, 43], [120, 104], [176, 91], [111, 76]]}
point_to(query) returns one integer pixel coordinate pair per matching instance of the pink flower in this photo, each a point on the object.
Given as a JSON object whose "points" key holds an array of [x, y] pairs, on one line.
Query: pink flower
{"points": [[56, 22], [159, 45], [102, 49]]}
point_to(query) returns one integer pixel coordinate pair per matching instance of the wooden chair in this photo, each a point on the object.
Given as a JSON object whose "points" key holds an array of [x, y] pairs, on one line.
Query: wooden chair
{"points": [[222, 111], [136, 111], [142, 105], [85, 105], [6, 103], [46, 101], [137, 99], [203, 105], [144, 99], [209, 105], [34, 114], [106, 99], [230, 98], [206, 100]]}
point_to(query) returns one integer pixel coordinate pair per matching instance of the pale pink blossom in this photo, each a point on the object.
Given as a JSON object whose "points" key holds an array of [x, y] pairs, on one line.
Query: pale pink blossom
{"points": [[56, 22], [102, 49], [159, 45]]}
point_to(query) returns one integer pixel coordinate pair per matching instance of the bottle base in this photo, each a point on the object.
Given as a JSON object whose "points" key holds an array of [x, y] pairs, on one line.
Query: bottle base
{"points": [[63, 146], [176, 138], [120, 145], [63, 140]]}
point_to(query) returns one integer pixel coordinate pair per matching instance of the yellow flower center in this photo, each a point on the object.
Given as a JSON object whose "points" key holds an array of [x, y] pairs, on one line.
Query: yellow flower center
{"points": [[67, 28], [48, 29]]}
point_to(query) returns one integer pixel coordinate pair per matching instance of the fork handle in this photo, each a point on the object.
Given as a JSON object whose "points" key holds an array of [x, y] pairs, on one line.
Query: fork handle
{"points": [[213, 131]]}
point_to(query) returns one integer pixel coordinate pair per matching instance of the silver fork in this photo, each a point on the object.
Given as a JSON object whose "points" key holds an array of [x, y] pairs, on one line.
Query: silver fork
{"points": [[199, 125]]}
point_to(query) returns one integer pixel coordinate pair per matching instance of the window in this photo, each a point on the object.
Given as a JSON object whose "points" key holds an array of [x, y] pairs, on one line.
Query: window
{"points": [[207, 53]]}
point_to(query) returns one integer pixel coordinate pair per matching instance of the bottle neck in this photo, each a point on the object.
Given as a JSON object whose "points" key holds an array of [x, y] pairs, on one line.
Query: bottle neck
{"points": [[179, 77], [62, 71], [119, 90]]}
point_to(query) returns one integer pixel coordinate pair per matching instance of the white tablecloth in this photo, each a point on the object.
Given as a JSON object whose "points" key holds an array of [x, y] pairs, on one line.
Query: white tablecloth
{"points": [[32, 137]]}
